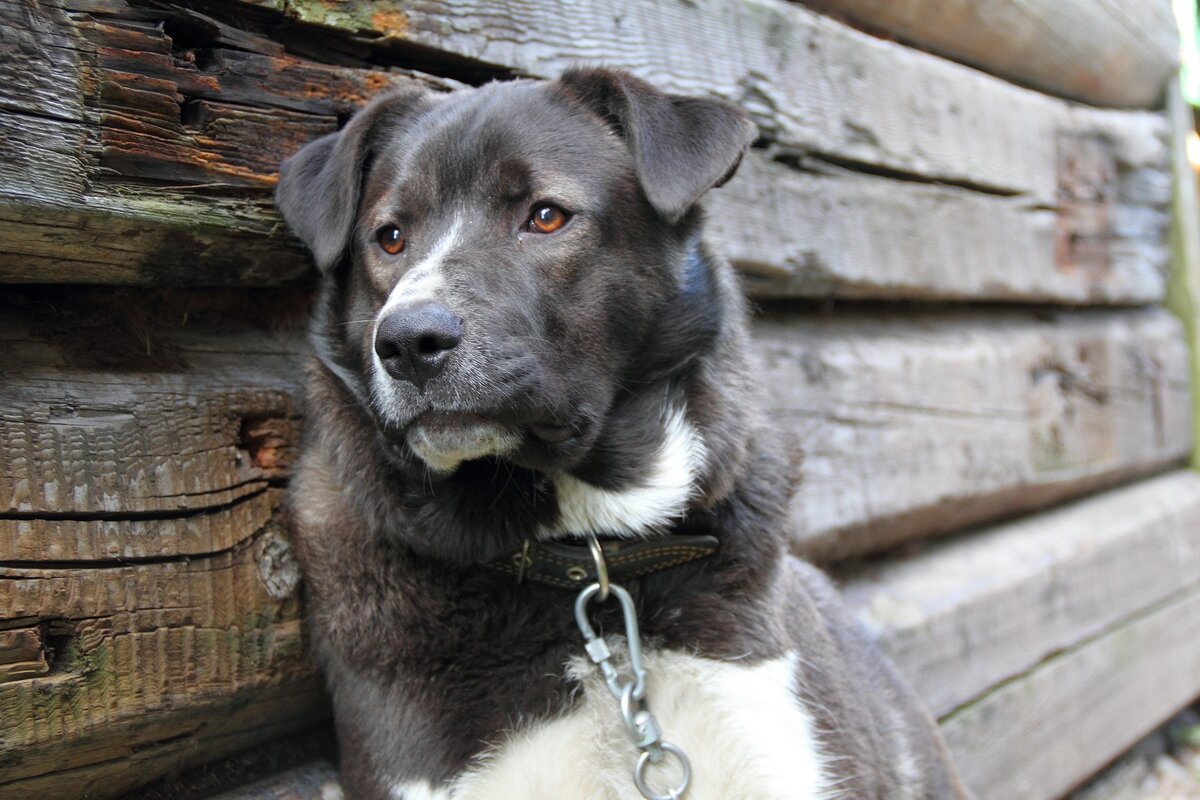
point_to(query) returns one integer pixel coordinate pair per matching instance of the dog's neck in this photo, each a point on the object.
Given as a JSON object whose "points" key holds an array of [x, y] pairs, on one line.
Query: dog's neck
{"points": [[653, 500]]}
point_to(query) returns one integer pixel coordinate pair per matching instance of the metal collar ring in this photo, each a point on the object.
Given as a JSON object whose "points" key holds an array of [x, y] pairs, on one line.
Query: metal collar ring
{"points": [[601, 566]]}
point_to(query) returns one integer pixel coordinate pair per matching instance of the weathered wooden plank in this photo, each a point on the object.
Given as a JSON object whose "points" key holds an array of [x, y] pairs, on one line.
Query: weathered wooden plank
{"points": [[811, 82], [1183, 295], [100, 418], [143, 151], [826, 231], [152, 666], [113, 538], [913, 425], [1113, 53], [969, 614], [149, 610], [165, 743], [1051, 644], [1044, 733]]}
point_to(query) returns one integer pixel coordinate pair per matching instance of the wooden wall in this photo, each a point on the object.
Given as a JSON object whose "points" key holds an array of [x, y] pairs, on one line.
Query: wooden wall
{"points": [[960, 271]]}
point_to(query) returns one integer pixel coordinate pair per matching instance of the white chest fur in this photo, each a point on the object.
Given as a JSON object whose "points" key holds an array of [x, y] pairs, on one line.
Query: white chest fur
{"points": [[660, 498], [747, 736]]}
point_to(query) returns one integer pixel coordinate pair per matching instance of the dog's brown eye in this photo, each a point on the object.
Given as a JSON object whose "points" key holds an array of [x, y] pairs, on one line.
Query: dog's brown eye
{"points": [[390, 239], [547, 219]]}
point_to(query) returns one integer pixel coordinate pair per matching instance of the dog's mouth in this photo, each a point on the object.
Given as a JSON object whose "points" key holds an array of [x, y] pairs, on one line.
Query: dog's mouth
{"points": [[444, 439]]}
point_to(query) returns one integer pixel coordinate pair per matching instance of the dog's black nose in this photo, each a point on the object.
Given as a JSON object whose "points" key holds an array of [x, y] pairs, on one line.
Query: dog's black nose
{"points": [[413, 343]]}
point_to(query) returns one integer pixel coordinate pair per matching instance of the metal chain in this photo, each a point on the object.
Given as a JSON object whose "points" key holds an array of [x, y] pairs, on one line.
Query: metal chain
{"points": [[628, 690]]}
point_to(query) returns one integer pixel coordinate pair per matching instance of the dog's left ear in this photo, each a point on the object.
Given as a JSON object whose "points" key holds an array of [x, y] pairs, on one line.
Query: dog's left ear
{"points": [[682, 146]]}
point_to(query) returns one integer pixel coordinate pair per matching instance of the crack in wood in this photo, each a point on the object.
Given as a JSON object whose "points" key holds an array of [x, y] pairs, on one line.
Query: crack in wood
{"points": [[132, 515], [823, 163]]}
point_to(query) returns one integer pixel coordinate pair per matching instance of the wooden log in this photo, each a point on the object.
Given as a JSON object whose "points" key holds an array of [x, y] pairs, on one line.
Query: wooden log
{"points": [[912, 425], [104, 419], [811, 83], [921, 424], [1115, 53], [152, 666], [130, 755], [143, 149], [1050, 645], [1044, 733], [149, 608], [970, 613], [826, 231]]}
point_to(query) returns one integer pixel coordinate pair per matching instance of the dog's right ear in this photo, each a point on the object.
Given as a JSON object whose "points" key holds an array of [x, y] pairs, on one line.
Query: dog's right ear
{"points": [[321, 185], [682, 146]]}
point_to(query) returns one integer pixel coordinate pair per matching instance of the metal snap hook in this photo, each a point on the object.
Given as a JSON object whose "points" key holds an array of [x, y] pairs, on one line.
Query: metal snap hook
{"points": [[632, 639]]}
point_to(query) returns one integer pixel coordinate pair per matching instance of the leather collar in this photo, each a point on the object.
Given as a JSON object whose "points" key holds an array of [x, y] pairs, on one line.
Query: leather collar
{"points": [[571, 566]]}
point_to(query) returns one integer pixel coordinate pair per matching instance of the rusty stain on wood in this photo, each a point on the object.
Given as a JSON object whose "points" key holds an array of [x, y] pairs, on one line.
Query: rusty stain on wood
{"points": [[164, 127], [392, 23], [270, 443]]}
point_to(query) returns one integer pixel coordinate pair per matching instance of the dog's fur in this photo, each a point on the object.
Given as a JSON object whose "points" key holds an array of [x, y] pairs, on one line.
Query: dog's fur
{"points": [[601, 385]]}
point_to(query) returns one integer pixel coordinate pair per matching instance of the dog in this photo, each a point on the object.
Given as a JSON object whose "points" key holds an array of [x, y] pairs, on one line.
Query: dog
{"points": [[531, 379]]}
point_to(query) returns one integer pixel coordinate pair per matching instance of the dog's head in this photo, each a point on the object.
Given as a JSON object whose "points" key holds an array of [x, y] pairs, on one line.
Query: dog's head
{"points": [[503, 262]]}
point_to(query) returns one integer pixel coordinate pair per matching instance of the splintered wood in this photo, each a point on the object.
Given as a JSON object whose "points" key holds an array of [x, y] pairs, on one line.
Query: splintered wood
{"points": [[141, 146], [149, 602]]}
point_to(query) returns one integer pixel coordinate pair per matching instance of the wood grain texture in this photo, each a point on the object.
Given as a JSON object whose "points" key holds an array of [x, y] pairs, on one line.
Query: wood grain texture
{"points": [[152, 667], [1044, 733], [1050, 645], [92, 426], [824, 231], [150, 617], [968, 614], [1111, 53], [811, 83], [141, 147], [921, 424]]}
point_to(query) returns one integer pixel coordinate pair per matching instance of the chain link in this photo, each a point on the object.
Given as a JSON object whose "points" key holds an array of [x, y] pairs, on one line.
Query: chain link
{"points": [[630, 690]]}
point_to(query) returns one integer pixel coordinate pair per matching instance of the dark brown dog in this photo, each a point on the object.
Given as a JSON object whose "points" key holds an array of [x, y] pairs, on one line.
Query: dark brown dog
{"points": [[522, 340]]}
